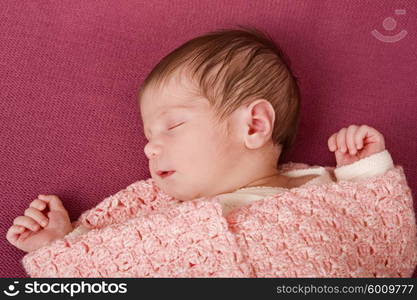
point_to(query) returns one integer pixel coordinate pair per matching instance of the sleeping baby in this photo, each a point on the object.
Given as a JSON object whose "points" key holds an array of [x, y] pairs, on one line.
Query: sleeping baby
{"points": [[219, 114]]}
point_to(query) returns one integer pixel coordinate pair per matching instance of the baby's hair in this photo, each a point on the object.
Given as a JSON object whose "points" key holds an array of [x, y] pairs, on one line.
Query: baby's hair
{"points": [[232, 67]]}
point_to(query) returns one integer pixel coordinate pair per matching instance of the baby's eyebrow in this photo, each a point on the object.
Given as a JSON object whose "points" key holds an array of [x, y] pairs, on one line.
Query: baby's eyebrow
{"points": [[175, 107]]}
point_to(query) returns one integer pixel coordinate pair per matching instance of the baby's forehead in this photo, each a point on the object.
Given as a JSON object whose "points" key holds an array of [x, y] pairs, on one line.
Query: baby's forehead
{"points": [[167, 96]]}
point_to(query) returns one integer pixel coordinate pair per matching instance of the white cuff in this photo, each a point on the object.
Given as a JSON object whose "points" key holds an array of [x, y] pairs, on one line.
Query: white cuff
{"points": [[373, 165], [78, 231]]}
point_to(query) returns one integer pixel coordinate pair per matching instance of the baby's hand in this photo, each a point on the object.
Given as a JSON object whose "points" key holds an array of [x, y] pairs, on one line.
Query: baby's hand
{"points": [[35, 229], [361, 141]]}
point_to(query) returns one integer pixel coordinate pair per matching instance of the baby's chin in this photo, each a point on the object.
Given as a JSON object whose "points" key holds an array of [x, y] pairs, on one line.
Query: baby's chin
{"points": [[187, 191], [179, 194]]}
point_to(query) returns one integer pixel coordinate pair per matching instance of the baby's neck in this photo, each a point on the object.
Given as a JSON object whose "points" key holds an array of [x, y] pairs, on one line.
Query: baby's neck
{"points": [[273, 180]]}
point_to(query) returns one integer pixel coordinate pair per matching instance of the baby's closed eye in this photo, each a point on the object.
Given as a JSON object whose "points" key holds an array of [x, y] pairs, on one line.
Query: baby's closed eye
{"points": [[176, 125]]}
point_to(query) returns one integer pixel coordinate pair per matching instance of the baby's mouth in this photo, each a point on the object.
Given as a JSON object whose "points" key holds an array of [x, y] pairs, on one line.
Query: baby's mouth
{"points": [[164, 174]]}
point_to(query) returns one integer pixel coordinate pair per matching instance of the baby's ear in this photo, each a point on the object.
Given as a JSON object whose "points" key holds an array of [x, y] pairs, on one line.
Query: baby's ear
{"points": [[259, 121]]}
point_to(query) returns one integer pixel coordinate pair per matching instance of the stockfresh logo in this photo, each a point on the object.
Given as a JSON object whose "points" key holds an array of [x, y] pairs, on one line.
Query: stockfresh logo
{"points": [[12, 290], [389, 25]]}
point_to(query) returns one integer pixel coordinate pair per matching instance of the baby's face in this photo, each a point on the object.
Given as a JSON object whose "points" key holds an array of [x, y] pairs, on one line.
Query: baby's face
{"points": [[185, 138]]}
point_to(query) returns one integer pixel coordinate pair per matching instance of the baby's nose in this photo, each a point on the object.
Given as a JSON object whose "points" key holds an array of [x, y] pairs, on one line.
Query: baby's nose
{"points": [[151, 150]]}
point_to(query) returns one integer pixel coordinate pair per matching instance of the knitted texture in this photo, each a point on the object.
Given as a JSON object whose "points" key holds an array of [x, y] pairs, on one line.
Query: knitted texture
{"points": [[140, 197], [343, 229]]}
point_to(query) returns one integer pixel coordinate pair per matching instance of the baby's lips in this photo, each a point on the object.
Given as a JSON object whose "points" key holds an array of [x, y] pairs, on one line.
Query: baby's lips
{"points": [[164, 174]]}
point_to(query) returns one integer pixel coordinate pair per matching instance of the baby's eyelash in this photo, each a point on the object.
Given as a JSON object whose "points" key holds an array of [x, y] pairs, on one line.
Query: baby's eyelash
{"points": [[172, 127]]}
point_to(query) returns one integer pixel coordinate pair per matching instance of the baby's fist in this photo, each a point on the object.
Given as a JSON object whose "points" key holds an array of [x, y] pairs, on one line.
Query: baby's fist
{"points": [[354, 143], [45, 220]]}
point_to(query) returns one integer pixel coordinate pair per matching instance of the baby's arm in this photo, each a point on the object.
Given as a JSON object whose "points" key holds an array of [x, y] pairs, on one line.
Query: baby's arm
{"points": [[360, 153], [188, 240], [141, 196]]}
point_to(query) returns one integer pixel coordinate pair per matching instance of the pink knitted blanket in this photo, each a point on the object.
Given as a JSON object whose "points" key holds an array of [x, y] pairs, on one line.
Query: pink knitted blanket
{"points": [[343, 229]]}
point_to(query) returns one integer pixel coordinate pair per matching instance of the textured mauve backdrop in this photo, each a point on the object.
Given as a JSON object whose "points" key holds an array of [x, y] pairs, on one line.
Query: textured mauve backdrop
{"points": [[70, 70]]}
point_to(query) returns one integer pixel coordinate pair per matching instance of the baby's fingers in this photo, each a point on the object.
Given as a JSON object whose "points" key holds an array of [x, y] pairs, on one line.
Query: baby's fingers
{"points": [[38, 204], [25, 234], [14, 232], [361, 135], [331, 142], [37, 216], [26, 222], [54, 202], [350, 139], [341, 140]]}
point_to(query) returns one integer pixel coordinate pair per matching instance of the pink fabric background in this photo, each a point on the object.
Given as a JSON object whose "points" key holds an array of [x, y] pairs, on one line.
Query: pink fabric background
{"points": [[70, 70]]}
